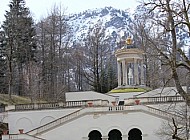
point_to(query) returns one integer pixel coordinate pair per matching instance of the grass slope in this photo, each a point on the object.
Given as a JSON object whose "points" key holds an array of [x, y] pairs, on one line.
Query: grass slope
{"points": [[126, 90], [4, 99]]}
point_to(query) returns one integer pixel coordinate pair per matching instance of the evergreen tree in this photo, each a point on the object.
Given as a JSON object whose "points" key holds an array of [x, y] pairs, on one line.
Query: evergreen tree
{"points": [[3, 66], [20, 49]]}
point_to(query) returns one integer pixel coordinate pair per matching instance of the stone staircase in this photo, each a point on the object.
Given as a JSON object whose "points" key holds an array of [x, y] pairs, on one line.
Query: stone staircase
{"points": [[57, 122], [103, 110], [21, 137]]}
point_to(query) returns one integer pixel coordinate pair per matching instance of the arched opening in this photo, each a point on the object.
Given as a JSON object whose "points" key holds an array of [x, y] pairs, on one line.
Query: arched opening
{"points": [[95, 135], [114, 135], [135, 134]]}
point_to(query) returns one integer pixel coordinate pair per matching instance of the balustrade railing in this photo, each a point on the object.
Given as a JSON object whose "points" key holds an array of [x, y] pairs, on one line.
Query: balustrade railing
{"points": [[60, 104], [20, 137], [116, 108], [154, 100], [165, 99], [76, 103], [39, 106], [55, 123], [24, 107], [142, 100], [165, 114]]}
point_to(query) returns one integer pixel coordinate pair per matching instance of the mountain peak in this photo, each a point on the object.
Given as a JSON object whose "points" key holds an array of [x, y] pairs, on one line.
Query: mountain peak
{"points": [[112, 19]]}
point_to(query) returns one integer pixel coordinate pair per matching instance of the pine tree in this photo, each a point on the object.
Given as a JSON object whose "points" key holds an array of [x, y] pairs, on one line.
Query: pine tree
{"points": [[20, 49], [3, 66]]}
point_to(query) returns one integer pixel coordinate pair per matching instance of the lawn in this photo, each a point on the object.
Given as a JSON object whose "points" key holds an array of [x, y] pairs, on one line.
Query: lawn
{"points": [[4, 99], [124, 90]]}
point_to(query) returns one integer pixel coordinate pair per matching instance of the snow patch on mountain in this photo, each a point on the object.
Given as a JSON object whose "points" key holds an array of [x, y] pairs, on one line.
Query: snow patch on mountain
{"points": [[115, 21]]}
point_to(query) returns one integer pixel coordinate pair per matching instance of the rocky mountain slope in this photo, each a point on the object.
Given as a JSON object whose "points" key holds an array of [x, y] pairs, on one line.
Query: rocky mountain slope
{"points": [[114, 20]]}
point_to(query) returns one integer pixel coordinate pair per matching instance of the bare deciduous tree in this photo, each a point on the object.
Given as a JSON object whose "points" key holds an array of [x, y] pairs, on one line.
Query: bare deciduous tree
{"points": [[96, 67], [169, 20], [51, 32], [168, 17]]}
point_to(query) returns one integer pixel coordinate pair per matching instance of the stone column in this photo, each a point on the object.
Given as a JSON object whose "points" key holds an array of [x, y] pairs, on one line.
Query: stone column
{"points": [[144, 136], [124, 72], [105, 137], [142, 73], [124, 137], [136, 73], [119, 73]]}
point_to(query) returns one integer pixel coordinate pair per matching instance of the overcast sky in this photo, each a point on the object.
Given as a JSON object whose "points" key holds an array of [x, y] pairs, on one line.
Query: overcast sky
{"points": [[39, 8]]}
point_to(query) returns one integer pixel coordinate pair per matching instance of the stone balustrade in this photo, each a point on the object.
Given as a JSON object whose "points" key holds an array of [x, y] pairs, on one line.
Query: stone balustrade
{"points": [[154, 100], [60, 105], [130, 101], [20, 137], [169, 116]]}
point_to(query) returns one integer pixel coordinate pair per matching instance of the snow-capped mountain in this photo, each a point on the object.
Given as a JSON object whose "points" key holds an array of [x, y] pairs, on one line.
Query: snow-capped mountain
{"points": [[115, 21]]}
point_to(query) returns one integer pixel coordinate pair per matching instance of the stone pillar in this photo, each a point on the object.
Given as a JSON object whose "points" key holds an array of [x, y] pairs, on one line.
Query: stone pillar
{"points": [[124, 72], [136, 73], [105, 137], [142, 73], [119, 73], [144, 136], [124, 137]]}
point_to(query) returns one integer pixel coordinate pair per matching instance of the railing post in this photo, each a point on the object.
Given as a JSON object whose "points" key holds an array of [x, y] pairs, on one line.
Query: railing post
{"points": [[35, 106]]}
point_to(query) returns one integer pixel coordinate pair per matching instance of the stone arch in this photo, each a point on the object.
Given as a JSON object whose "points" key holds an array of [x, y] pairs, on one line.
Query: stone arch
{"points": [[95, 135], [135, 134], [114, 127], [46, 120], [114, 134], [24, 123]]}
